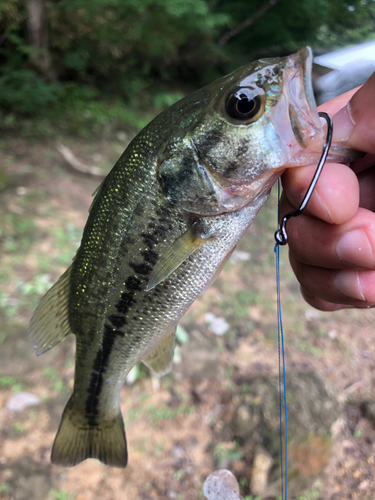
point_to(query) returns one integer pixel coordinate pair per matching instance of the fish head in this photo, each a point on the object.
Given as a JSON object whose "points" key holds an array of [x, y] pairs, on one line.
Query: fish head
{"points": [[236, 136]]}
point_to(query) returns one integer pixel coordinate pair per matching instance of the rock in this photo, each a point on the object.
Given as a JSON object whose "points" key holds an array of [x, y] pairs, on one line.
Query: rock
{"points": [[218, 326], [338, 429], [239, 256], [221, 485], [122, 136], [20, 190], [243, 422], [259, 473], [312, 314], [332, 334], [364, 485], [21, 400]]}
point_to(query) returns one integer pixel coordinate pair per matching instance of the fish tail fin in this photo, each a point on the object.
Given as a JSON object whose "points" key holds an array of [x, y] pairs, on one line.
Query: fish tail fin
{"points": [[76, 440]]}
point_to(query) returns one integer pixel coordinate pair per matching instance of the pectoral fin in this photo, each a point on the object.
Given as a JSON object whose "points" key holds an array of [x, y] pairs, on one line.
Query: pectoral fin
{"points": [[175, 255], [160, 359]]}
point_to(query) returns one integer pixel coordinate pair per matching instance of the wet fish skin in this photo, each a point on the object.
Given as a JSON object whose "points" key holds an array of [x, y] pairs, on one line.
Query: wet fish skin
{"points": [[161, 226]]}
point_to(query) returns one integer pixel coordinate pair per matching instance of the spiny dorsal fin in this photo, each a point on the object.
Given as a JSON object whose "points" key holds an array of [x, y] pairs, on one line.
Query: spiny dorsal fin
{"points": [[175, 255], [96, 193], [50, 322], [160, 359]]}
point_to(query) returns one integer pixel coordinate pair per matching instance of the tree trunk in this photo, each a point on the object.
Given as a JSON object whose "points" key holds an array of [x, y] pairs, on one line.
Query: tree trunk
{"points": [[38, 36]]}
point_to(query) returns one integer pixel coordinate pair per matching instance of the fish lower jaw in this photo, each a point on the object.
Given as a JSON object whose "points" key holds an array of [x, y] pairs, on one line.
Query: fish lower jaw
{"points": [[242, 195], [338, 153], [341, 153]]}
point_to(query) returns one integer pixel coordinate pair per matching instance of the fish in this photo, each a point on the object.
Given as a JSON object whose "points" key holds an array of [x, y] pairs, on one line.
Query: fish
{"points": [[161, 227]]}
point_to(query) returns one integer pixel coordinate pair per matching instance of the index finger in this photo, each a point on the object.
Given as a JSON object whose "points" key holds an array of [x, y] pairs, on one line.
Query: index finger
{"points": [[336, 195], [334, 105], [362, 113], [354, 123]]}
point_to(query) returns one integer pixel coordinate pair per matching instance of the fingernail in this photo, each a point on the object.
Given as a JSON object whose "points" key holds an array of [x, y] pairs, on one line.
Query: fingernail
{"points": [[343, 124], [354, 249], [348, 283]]}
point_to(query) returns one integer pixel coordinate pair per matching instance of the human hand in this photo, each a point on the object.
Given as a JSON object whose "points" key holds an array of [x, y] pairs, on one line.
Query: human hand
{"points": [[332, 244]]}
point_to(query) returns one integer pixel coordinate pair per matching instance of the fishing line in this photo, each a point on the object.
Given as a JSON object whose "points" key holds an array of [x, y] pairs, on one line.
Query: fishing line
{"points": [[281, 355], [281, 238]]}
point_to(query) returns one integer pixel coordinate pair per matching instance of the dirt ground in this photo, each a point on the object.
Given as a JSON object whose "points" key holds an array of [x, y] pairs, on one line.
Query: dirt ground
{"points": [[185, 425]]}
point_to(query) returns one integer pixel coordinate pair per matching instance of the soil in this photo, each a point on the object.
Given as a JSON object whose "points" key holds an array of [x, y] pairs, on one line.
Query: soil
{"points": [[216, 408]]}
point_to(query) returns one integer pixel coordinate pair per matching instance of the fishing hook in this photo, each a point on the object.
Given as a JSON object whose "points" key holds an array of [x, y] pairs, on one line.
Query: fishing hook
{"points": [[280, 235]]}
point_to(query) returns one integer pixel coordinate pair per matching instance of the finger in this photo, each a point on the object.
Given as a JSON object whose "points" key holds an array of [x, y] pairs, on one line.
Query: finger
{"points": [[366, 181], [364, 163], [334, 105], [355, 123], [362, 113], [336, 196], [347, 287], [321, 304], [346, 246]]}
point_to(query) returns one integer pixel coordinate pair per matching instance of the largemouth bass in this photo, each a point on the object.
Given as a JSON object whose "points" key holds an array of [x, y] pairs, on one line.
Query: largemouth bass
{"points": [[161, 227]]}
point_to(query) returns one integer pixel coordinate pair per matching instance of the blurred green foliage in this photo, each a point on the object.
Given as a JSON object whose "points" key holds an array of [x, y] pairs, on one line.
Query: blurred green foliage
{"points": [[110, 60]]}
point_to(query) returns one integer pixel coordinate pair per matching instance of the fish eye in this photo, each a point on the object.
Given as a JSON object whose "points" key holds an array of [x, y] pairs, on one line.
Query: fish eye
{"points": [[244, 105]]}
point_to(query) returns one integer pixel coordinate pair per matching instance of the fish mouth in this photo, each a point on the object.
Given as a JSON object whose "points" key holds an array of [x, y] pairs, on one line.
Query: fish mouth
{"points": [[303, 113], [308, 128]]}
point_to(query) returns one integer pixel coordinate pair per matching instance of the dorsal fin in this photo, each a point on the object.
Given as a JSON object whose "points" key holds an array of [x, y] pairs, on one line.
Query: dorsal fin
{"points": [[96, 194], [50, 322]]}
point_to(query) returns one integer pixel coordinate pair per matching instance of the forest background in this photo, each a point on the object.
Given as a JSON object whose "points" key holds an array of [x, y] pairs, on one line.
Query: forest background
{"points": [[86, 75], [79, 65]]}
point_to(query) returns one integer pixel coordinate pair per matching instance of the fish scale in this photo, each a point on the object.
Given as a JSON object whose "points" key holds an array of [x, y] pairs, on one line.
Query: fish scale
{"points": [[160, 229]]}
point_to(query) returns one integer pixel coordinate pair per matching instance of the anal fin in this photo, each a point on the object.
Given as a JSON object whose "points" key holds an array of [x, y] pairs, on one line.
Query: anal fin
{"points": [[50, 322], [160, 359]]}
